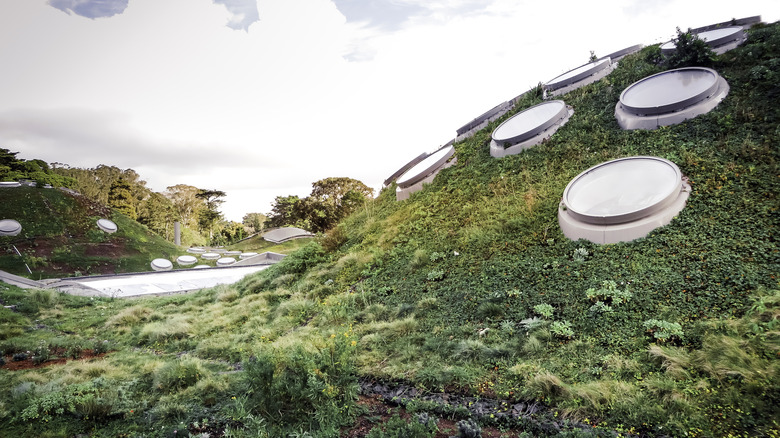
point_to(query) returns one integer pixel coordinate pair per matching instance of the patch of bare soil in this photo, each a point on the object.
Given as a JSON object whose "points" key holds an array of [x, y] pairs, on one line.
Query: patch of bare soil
{"points": [[57, 358], [114, 249]]}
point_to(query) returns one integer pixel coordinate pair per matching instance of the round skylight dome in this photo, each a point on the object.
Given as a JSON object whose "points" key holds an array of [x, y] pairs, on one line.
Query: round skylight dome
{"points": [[247, 255], [424, 172], [622, 200], [720, 40], [404, 168], [579, 77], [196, 250], [107, 225], [226, 261], [670, 97], [10, 184], [10, 227], [162, 265], [528, 128], [186, 260], [483, 119], [430, 164], [209, 256]]}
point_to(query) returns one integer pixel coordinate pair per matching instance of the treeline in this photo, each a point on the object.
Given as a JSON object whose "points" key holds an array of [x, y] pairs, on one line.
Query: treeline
{"points": [[196, 209], [331, 200], [17, 169]]}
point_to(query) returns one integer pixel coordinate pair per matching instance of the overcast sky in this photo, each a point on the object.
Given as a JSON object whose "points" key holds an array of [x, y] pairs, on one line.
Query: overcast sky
{"points": [[262, 98]]}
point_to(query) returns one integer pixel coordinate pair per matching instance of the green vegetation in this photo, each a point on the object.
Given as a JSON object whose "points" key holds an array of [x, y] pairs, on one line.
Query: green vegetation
{"points": [[330, 201], [16, 169], [60, 237], [468, 287]]}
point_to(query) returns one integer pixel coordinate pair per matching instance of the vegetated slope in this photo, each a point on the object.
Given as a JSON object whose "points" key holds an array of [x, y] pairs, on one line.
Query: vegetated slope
{"points": [[60, 237], [467, 287]]}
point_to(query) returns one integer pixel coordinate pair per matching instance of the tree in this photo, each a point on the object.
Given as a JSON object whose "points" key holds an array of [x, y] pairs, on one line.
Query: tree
{"points": [[14, 169], [333, 199], [158, 213], [96, 183], [120, 197], [186, 203], [284, 211], [209, 216], [254, 221], [232, 232]]}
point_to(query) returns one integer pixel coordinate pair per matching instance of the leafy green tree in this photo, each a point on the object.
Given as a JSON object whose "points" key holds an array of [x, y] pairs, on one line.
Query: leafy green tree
{"points": [[96, 183], [332, 199], [255, 222], [186, 203], [120, 197], [209, 216], [232, 232], [14, 169], [284, 211], [158, 213]]}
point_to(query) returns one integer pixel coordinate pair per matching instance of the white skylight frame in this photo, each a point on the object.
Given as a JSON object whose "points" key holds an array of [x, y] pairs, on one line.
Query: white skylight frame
{"points": [[719, 39], [162, 265], [507, 139], [579, 77], [107, 225], [688, 104], [424, 172], [641, 199], [10, 227]]}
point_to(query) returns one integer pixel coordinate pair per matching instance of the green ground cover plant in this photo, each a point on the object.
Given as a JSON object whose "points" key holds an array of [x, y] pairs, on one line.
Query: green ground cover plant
{"points": [[60, 237], [467, 287]]}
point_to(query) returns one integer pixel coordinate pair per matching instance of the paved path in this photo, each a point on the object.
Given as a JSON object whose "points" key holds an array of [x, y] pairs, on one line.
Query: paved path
{"points": [[139, 284], [22, 282], [157, 283]]}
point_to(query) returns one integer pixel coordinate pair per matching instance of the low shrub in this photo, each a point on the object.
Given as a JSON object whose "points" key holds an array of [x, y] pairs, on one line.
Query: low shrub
{"points": [[422, 426], [544, 309], [663, 331], [179, 374]]}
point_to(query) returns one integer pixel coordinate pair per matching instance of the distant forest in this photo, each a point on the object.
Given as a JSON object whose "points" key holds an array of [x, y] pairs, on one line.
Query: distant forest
{"points": [[196, 209]]}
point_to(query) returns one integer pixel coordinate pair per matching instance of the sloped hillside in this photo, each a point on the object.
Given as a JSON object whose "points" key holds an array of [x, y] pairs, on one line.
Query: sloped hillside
{"points": [[60, 237], [465, 304]]}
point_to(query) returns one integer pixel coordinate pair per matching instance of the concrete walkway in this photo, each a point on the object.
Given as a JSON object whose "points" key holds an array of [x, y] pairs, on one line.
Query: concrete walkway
{"points": [[149, 283], [139, 284], [153, 283], [24, 283]]}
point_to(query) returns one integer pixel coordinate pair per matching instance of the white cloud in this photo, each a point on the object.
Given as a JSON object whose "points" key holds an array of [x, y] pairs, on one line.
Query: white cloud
{"points": [[90, 8]]}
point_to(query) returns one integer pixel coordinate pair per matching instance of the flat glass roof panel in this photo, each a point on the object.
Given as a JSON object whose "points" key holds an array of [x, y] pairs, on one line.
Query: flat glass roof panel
{"points": [[579, 70], [669, 90], [622, 187], [529, 122], [424, 165]]}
